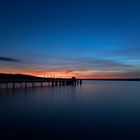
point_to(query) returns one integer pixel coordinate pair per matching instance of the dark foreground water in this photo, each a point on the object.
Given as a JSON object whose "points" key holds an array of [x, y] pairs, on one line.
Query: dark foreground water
{"points": [[97, 110]]}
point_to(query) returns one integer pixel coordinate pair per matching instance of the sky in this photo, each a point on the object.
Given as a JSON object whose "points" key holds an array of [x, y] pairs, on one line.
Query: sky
{"points": [[64, 38]]}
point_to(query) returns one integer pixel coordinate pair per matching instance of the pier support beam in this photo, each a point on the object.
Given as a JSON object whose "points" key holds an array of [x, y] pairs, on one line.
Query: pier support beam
{"points": [[21, 85], [6, 85], [33, 85], [25, 84], [41, 84], [52, 83], [56, 84], [13, 85], [77, 82]]}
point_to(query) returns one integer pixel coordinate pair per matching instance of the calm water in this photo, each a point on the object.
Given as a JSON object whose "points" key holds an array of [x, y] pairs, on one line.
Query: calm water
{"points": [[99, 110]]}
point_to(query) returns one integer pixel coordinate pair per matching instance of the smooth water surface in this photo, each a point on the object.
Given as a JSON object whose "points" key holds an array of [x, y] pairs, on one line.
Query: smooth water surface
{"points": [[96, 110]]}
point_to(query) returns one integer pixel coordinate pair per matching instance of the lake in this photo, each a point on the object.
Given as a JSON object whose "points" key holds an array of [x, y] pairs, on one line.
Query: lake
{"points": [[97, 110]]}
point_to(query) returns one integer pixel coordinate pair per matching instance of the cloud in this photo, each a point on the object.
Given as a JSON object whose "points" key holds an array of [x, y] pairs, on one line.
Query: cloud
{"points": [[80, 64], [9, 59], [69, 71], [101, 63]]}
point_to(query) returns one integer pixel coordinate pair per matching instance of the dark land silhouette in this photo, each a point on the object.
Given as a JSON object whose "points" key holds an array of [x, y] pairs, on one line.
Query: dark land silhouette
{"points": [[19, 76]]}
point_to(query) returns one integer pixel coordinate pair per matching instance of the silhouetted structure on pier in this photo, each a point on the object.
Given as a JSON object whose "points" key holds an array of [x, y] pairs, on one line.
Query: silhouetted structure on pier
{"points": [[24, 80]]}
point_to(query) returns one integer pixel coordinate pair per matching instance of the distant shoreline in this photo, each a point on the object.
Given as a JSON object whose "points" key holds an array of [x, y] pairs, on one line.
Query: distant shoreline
{"points": [[23, 76]]}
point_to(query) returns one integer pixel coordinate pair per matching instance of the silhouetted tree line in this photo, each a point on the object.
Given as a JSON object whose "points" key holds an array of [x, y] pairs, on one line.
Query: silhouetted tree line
{"points": [[17, 76]]}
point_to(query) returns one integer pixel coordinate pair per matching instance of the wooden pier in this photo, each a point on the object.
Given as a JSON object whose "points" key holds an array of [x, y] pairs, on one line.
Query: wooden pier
{"points": [[41, 82]]}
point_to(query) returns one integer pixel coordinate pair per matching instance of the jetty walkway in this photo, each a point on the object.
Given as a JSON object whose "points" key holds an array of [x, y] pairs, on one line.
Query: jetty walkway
{"points": [[41, 81]]}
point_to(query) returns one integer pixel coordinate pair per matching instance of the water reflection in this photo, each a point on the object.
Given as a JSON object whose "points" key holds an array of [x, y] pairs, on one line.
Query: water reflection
{"points": [[42, 94], [96, 110]]}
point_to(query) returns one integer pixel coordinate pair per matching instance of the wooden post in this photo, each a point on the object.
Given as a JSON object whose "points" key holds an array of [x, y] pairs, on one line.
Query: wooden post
{"points": [[63, 83], [77, 82], [13, 85], [67, 82], [59, 83], [21, 85], [56, 84], [6, 85], [25, 84], [41, 84], [80, 82], [33, 84], [52, 83]]}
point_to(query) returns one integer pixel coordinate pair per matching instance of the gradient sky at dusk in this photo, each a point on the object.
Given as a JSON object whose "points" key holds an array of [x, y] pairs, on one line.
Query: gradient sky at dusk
{"points": [[85, 38]]}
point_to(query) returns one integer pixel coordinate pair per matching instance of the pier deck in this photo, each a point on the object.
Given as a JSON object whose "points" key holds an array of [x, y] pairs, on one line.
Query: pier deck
{"points": [[24, 82]]}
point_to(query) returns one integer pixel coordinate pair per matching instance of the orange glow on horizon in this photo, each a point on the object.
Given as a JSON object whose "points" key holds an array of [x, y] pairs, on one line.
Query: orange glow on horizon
{"points": [[65, 74], [42, 74]]}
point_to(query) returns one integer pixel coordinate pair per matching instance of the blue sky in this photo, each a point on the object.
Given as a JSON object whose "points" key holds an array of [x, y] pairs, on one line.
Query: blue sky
{"points": [[82, 37]]}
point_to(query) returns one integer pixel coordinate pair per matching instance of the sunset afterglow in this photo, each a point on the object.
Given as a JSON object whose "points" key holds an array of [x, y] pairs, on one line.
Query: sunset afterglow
{"points": [[70, 38]]}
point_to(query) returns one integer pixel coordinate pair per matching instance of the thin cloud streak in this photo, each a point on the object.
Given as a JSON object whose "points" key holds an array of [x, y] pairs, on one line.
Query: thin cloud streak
{"points": [[9, 59], [82, 66]]}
